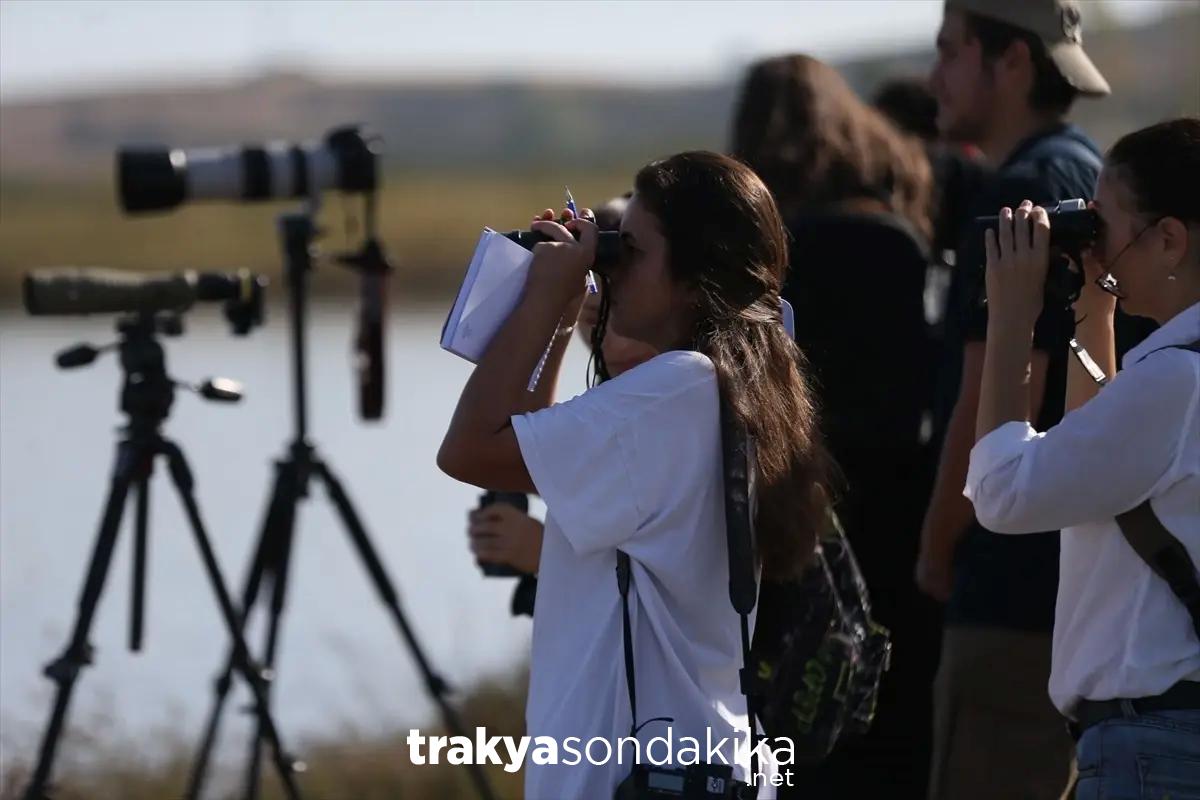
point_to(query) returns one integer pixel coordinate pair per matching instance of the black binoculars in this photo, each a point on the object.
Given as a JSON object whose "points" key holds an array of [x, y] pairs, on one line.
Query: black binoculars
{"points": [[1073, 228], [608, 246]]}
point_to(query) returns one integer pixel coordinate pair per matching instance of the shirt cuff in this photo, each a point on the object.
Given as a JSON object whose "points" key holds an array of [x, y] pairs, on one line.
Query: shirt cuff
{"points": [[994, 451]]}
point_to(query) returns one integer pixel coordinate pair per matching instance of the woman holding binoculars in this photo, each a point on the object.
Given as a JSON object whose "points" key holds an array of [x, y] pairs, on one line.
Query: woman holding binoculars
{"points": [[1121, 469], [635, 464]]}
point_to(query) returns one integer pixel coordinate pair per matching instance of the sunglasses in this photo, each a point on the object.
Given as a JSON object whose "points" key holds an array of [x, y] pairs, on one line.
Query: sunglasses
{"points": [[1106, 281]]}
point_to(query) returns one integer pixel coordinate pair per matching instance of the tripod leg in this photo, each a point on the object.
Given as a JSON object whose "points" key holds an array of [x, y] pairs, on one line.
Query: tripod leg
{"points": [[182, 477], [284, 536], [65, 670], [138, 595], [434, 684], [281, 506]]}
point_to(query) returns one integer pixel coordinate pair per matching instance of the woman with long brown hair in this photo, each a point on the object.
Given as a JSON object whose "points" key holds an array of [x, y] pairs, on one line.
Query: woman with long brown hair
{"points": [[635, 464], [855, 195], [818, 146]]}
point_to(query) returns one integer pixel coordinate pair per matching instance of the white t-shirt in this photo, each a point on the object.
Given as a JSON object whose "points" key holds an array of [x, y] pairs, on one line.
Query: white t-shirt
{"points": [[634, 463]]}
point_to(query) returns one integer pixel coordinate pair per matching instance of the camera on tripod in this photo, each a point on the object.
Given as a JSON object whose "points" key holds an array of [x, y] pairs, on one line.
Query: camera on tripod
{"points": [[1073, 228], [347, 159], [71, 291]]}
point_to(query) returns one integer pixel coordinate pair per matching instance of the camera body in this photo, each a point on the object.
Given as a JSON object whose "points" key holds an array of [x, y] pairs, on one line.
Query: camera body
{"points": [[694, 782], [1073, 228]]}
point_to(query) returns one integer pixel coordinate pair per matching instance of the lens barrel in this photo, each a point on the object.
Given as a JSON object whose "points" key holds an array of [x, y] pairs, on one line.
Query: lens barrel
{"points": [[157, 178], [151, 179], [77, 290]]}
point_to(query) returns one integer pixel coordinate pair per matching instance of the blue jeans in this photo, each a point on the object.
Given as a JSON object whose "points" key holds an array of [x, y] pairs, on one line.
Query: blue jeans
{"points": [[1152, 756]]}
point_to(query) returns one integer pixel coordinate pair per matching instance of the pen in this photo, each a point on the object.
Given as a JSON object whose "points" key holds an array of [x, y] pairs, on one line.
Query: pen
{"points": [[591, 280]]}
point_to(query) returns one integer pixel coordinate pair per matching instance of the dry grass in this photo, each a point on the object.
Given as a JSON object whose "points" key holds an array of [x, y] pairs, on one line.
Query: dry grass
{"points": [[350, 766]]}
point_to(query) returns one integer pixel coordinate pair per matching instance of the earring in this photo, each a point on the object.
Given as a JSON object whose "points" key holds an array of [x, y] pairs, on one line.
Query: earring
{"points": [[1171, 277]]}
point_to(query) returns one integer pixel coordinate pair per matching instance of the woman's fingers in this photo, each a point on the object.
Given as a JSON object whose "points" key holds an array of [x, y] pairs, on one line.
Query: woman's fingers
{"points": [[1021, 236], [502, 511], [1041, 234], [488, 513], [1005, 232], [552, 230], [487, 549], [588, 233], [991, 247]]}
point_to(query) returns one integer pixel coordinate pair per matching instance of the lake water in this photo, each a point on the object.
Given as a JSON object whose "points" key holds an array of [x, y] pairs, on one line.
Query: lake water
{"points": [[341, 660]]}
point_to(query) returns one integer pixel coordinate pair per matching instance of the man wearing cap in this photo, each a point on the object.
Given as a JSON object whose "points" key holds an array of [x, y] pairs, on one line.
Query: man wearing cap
{"points": [[1007, 72]]}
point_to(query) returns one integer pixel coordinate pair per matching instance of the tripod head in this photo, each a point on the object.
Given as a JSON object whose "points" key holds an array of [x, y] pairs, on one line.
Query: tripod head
{"points": [[147, 391]]}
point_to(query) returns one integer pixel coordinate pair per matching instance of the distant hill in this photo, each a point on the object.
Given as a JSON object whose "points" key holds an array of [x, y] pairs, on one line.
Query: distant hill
{"points": [[1155, 72], [500, 149], [425, 126]]}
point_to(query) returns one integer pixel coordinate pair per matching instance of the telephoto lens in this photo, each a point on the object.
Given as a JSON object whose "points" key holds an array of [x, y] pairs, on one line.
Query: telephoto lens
{"points": [[72, 291], [158, 178]]}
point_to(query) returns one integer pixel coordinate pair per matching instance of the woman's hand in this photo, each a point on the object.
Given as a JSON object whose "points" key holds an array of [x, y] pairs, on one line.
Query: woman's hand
{"points": [[934, 574], [559, 266], [1018, 255], [1093, 301], [503, 534]]}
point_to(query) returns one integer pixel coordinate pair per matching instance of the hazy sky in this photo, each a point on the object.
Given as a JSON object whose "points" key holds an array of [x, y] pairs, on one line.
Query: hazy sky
{"points": [[51, 48]]}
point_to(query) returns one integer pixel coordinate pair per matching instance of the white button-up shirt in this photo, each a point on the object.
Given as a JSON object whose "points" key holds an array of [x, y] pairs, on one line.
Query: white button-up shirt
{"points": [[1119, 631]]}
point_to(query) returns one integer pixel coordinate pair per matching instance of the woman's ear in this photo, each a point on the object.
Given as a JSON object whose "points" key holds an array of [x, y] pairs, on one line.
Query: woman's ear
{"points": [[1176, 239]]}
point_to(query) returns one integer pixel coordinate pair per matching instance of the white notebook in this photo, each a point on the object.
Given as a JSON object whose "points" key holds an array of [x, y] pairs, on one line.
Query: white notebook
{"points": [[489, 293]]}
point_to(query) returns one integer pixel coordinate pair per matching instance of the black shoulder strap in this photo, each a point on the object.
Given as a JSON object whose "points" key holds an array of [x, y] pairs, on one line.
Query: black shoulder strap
{"points": [[1164, 554], [737, 449], [739, 524], [623, 576], [1161, 551]]}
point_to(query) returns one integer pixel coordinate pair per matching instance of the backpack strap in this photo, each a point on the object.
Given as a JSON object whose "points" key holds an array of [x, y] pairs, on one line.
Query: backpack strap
{"points": [[1161, 551]]}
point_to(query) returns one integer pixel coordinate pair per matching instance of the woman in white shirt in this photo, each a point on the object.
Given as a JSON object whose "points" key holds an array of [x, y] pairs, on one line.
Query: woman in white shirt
{"points": [[635, 464], [1126, 657]]}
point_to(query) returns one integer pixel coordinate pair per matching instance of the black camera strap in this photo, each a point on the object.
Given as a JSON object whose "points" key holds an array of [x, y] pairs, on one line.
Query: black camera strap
{"points": [[737, 456]]}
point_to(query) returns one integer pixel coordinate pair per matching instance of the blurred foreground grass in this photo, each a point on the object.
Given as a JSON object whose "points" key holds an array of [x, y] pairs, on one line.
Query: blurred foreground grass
{"points": [[347, 765], [428, 223]]}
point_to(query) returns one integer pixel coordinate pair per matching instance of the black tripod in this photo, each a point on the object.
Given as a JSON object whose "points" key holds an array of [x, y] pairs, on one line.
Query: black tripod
{"points": [[146, 398], [273, 552]]}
